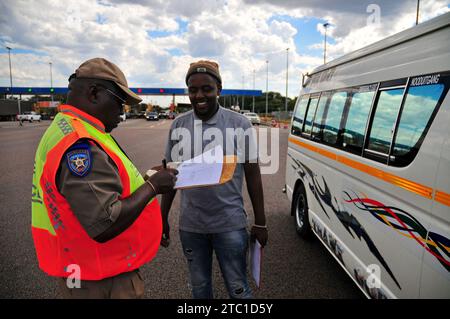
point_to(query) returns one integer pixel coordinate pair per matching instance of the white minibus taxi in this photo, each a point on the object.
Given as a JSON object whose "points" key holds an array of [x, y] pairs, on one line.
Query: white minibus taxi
{"points": [[368, 162]]}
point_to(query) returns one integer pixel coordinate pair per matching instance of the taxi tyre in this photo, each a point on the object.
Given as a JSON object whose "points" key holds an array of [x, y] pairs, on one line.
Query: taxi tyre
{"points": [[300, 212]]}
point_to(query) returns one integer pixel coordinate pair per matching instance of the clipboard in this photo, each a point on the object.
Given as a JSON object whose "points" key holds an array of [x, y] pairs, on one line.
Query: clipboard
{"points": [[198, 172], [256, 255], [228, 168]]}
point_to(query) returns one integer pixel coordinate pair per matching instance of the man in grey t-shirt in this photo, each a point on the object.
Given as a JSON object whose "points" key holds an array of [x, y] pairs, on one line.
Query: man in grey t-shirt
{"points": [[213, 218]]}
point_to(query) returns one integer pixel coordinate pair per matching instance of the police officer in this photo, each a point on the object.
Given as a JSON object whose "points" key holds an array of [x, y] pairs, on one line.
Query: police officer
{"points": [[95, 220]]}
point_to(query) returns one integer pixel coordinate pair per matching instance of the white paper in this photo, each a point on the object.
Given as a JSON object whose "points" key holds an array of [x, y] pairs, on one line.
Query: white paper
{"points": [[255, 260], [205, 169]]}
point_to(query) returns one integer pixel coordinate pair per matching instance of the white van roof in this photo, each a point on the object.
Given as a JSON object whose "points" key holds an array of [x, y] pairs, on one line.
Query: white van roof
{"points": [[423, 49], [431, 25]]}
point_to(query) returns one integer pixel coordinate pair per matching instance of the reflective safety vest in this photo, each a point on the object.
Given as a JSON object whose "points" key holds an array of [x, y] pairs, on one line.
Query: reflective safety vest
{"points": [[59, 238]]}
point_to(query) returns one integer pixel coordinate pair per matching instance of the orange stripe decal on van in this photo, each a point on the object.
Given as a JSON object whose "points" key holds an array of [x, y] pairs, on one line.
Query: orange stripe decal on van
{"points": [[442, 198], [411, 186]]}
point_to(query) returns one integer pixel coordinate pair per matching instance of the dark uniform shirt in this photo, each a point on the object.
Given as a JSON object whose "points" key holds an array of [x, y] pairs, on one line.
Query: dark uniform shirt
{"points": [[94, 197]]}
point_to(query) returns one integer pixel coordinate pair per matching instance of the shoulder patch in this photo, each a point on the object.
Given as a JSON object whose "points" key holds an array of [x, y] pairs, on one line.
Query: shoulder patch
{"points": [[79, 159]]}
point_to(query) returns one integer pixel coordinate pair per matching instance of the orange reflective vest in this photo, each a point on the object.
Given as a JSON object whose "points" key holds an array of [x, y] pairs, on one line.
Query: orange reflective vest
{"points": [[59, 238]]}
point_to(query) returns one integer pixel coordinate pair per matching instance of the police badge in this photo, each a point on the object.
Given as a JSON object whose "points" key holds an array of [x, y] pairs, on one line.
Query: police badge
{"points": [[79, 159]]}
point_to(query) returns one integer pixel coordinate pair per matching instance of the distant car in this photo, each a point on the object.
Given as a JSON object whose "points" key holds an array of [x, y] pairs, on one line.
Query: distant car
{"points": [[253, 118], [123, 117], [133, 115], [151, 116], [29, 116], [162, 115], [171, 115], [142, 114]]}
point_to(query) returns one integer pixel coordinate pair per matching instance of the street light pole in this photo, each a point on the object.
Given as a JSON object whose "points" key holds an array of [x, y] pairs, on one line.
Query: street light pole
{"points": [[253, 108], [325, 25], [51, 81], [267, 87], [243, 87], [417, 12], [287, 76], [10, 72], [10, 79]]}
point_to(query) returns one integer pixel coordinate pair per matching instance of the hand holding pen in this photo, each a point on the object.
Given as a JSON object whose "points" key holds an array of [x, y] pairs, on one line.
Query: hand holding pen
{"points": [[164, 179]]}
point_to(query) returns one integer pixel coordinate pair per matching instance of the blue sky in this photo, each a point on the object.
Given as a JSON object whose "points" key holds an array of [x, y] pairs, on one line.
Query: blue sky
{"points": [[20, 51], [307, 33], [154, 41], [182, 28]]}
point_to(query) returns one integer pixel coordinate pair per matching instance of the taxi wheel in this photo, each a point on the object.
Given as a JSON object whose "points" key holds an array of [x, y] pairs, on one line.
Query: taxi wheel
{"points": [[300, 207]]}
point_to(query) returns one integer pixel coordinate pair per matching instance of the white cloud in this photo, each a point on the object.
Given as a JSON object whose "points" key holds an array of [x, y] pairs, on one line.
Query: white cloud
{"points": [[283, 29], [351, 31], [240, 35]]}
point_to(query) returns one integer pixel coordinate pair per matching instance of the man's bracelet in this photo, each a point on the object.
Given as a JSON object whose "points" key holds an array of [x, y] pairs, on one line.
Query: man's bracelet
{"points": [[260, 226], [150, 183]]}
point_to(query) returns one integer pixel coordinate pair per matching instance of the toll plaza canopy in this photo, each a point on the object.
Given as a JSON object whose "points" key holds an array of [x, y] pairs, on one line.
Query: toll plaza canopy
{"points": [[139, 91]]}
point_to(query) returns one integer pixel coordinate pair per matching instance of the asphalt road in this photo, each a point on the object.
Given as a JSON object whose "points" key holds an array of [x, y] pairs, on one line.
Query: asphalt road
{"points": [[292, 268]]}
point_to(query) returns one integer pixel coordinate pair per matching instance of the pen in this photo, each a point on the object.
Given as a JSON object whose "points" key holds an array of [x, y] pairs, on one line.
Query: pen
{"points": [[164, 162]]}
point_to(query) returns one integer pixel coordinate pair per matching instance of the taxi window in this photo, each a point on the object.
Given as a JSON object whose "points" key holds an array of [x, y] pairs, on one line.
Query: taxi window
{"points": [[355, 126], [386, 112], [310, 115], [299, 115], [334, 117], [318, 119], [420, 104]]}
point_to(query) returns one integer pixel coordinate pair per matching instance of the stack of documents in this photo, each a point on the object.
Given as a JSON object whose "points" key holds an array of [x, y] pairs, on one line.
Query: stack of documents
{"points": [[256, 252], [209, 168]]}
